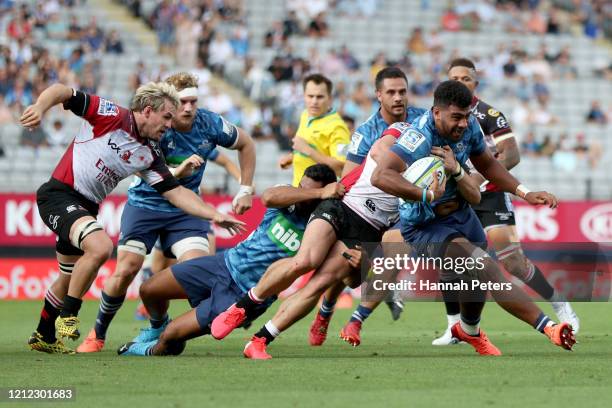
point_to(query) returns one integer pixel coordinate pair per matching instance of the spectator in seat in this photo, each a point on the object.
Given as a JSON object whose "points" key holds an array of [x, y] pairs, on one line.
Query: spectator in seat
{"points": [[596, 114]]}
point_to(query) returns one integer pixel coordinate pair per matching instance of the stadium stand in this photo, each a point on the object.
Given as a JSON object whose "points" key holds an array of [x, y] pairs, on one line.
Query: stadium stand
{"points": [[543, 63]]}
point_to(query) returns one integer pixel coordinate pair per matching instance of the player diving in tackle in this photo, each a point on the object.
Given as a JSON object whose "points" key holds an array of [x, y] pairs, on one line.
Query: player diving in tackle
{"points": [[213, 283], [440, 214]]}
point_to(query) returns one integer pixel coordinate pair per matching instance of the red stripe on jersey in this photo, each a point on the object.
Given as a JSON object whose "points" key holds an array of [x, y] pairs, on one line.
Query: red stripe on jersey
{"points": [[350, 179], [392, 132], [64, 171]]}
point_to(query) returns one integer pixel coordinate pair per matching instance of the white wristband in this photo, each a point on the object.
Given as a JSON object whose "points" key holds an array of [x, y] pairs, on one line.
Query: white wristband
{"points": [[460, 176], [172, 170], [522, 190], [242, 191]]}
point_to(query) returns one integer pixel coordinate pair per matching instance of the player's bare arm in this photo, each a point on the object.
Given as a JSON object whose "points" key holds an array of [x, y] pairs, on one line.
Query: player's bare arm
{"points": [[229, 166], [508, 153], [284, 196], [246, 157], [492, 170], [56, 93], [189, 202]]}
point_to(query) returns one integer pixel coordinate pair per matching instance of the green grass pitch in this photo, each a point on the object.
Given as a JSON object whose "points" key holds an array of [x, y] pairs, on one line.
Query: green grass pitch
{"points": [[394, 366]]}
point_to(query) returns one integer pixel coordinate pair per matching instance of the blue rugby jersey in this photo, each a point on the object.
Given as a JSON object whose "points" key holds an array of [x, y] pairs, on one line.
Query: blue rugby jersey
{"points": [[371, 130], [416, 141], [278, 236], [208, 131]]}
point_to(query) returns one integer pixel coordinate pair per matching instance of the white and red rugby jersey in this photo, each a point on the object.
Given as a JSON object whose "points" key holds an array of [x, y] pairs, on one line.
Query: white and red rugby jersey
{"points": [[378, 208], [108, 149]]}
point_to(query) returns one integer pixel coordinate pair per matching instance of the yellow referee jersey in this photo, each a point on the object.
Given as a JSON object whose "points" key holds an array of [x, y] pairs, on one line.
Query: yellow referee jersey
{"points": [[328, 134]]}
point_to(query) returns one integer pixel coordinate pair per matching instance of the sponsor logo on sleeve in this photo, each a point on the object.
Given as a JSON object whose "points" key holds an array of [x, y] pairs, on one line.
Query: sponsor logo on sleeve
{"points": [[228, 128], [493, 113], [107, 108], [355, 142], [501, 122], [411, 140]]}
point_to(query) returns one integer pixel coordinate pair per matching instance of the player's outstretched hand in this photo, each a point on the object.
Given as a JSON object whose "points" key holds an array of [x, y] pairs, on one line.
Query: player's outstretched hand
{"points": [[541, 198], [231, 224], [188, 166], [447, 156], [333, 190], [31, 117], [285, 161]]}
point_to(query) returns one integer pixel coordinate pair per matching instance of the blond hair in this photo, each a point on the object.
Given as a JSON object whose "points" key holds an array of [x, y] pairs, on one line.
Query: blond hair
{"points": [[182, 80], [154, 94]]}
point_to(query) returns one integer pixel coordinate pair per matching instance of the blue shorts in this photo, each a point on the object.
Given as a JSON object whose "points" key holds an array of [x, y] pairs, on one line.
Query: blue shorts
{"points": [[431, 238], [209, 286], [143, 225]]}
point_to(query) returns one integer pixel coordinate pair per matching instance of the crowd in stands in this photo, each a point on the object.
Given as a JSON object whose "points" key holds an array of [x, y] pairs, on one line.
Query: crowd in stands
{"points": [[27, 67], [206, 34], [589, 17]]}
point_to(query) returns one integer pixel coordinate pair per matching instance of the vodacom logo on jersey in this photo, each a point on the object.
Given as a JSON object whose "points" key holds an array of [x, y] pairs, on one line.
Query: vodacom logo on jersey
{"points": [[596, 223]]}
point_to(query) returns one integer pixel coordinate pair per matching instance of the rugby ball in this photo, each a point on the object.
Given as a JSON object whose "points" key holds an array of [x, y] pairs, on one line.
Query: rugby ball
{"points": [[422, 172]]}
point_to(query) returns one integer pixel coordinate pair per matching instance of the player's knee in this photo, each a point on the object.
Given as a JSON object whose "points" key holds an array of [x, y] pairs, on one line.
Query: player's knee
{"points": [[304, 263], [147, 291], [101, 251], [127, 270], [516, 265]]}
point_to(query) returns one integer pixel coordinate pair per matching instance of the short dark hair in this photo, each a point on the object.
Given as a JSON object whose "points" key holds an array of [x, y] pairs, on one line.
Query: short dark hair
{"points": [[322, 173], [388, 72], [462, 62], [452, 93], [319, 79]]}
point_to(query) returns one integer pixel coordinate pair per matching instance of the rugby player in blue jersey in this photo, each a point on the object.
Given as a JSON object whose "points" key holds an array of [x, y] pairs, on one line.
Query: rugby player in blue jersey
{"points": [[445, 226], [213, 283], [392, 94], [147, 215], [495, 210]]}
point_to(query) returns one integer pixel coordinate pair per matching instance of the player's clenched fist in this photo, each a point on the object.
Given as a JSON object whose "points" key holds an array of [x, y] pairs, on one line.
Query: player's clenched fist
{"points": [[31, 117], [541, 198], [189, 166], [332, 190]]}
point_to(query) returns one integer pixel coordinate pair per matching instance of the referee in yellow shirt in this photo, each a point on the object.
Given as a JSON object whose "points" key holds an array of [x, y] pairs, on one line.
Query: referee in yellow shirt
{"points": [[322, 136]]}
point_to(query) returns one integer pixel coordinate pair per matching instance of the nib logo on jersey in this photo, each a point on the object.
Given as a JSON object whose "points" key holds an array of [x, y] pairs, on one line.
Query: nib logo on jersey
{"points": [[285, 235]]}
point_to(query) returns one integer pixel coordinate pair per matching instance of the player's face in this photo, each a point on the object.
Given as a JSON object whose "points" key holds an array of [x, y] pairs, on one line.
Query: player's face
{"points": [[464, 75], [316, 99], [158, 121], [451, 121], [186, 112], [393, 96]]}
